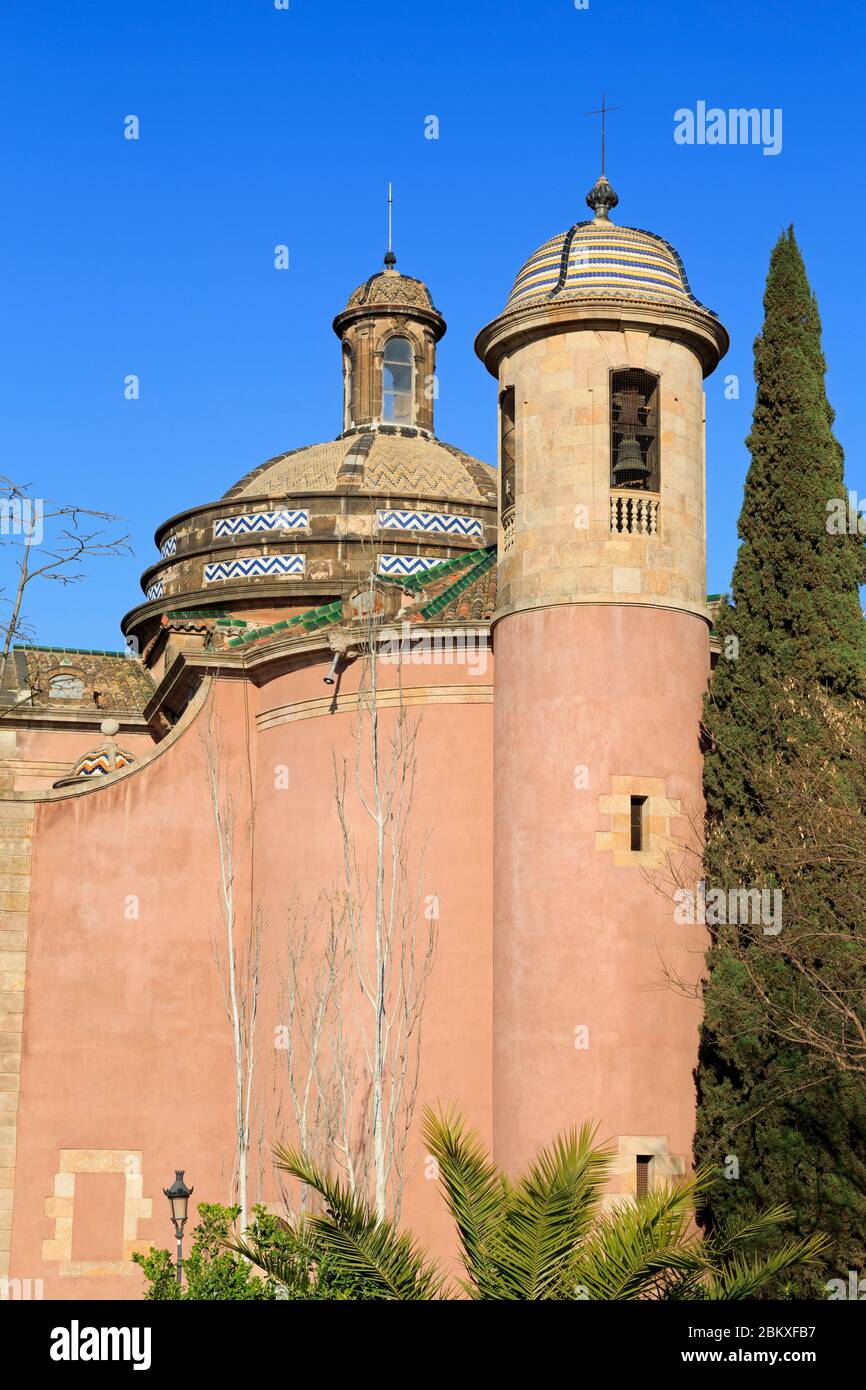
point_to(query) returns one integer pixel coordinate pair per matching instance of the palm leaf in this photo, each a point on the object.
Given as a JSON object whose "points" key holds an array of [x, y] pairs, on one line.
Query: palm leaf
{"points": [[363, 1247], [550, 1210], [641, 1249], [742, 1278], [474, 1195]]}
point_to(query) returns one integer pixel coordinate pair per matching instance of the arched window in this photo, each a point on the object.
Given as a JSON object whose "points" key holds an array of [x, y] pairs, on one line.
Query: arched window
{"points": [[506, 450], [634, 430], [348, 364], [397, 381]]}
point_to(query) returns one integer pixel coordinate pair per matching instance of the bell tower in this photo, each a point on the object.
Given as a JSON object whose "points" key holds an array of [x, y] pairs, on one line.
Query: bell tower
{"points": [[602, 657]]}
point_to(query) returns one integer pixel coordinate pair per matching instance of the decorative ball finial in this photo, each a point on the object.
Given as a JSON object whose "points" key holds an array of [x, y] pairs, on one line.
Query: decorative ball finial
{"points": [[390, 259], [601, 198]]}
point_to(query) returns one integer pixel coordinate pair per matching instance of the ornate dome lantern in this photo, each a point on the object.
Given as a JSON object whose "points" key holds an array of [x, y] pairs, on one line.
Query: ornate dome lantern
{"points": [[389, 330]]}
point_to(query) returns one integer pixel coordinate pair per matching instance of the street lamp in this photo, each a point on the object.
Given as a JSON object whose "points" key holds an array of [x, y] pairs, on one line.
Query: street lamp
{"points": [[178, 1199]]}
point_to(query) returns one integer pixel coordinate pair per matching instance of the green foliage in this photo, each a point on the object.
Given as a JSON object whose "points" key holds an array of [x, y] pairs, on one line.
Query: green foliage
{"points": [[787, 1111], [543, 1236], [216, 1269]]}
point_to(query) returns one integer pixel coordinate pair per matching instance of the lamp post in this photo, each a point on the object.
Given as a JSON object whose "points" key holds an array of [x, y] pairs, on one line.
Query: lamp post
{"points": [[178, 1199]]}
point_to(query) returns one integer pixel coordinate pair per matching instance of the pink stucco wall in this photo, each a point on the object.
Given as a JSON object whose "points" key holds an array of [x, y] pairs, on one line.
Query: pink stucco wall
{"points": [[126, 1044], [579, 942]]}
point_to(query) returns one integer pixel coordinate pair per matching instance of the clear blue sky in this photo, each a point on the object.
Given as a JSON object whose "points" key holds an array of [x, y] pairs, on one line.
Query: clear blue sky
{"points": [[261, 126]]}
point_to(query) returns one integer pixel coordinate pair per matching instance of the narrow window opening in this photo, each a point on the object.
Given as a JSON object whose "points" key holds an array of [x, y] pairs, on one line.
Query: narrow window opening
{"points": [[507, 449], [638, 805], [397, 381], [643, 1174], [634, 431], [348, 384]]}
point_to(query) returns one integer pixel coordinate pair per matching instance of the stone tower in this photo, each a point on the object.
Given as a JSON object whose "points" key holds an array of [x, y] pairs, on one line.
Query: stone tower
{"points": [[389, 330], [602, 657]]}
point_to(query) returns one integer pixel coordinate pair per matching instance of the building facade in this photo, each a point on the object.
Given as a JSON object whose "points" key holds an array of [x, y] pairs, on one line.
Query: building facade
{"points": [[545, 799]]}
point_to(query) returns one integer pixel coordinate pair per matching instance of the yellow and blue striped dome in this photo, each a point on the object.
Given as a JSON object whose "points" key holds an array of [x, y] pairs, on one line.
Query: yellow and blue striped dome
{"points": [[599, 260]]}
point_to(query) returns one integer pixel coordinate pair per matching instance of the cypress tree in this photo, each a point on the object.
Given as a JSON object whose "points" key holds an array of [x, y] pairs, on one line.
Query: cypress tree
{"points": [[793, 1125]]}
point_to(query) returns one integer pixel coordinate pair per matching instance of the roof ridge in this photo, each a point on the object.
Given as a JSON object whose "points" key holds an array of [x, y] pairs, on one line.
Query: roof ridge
{"points": [[442, 600]]}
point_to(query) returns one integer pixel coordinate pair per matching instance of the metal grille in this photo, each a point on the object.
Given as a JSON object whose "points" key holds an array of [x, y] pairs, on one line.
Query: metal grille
{"points": [[634, 430], [637, 805], [642, 1175]]}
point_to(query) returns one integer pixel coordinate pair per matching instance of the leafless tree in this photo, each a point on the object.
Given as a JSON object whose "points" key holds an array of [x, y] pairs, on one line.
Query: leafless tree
{"points": [[237, 953], [52, 543], [392, 932], [359, 965], [318, 1067]]}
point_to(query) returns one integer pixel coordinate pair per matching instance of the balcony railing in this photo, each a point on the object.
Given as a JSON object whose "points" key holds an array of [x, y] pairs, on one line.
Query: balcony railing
{"points": [[634, 514]]}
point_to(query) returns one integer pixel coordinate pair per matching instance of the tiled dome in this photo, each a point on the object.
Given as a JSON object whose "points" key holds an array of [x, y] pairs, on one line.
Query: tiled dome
{"points": [[375, 461], [98, 762], [599, 260], [389, 288]]}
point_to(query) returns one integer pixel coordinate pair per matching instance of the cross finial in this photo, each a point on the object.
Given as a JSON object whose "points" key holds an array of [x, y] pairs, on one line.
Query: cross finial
{"points": [[602, 111], [390, 258]]}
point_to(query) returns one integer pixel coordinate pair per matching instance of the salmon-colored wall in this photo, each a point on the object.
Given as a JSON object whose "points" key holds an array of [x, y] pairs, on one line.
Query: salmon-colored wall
{"points": [[61, 749], [298, 852], [615, 690], [126, 1045]]}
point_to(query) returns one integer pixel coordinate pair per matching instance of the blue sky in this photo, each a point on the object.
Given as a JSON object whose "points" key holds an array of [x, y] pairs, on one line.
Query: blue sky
{"points": [[262, 126]]}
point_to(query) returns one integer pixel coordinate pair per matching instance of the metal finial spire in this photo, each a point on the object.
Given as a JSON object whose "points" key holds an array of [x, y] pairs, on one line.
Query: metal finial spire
{"points": [[602, 111], [390, 258]]}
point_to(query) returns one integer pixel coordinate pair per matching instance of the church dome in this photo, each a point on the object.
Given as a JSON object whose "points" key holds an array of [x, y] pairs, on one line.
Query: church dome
{"points": [[600, 274], [306, 525], [379, 461], [389, 289], [598, 260]]}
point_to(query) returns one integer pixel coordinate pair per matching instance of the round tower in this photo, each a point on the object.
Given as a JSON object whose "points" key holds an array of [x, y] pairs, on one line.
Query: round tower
{"points": [[602, 657], [389, 331]]}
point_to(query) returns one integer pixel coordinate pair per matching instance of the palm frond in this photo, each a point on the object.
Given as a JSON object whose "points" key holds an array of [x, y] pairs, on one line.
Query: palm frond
{"points": [[364, 1248], [742, 1277], [474, 1195], [641, 1249], [550, 1209]]}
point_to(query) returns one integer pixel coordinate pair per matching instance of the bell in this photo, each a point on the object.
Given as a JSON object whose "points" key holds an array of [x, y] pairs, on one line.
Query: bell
{"points": [[630, 468]]}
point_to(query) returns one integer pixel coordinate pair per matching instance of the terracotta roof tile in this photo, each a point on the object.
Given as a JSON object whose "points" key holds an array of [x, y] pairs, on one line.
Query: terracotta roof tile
{"points": [[110, 681]]}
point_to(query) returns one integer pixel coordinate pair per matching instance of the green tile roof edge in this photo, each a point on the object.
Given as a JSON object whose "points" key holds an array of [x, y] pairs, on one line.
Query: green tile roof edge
{"points": [[195, 613], [72, 651], [311, 620], [413, 582], [442, 600]]}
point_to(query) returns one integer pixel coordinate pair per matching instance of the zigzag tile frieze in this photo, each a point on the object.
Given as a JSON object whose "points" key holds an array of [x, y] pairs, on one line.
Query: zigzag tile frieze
{"points": [[254, 567], [254, 522], [439, 523], [405, 564]]}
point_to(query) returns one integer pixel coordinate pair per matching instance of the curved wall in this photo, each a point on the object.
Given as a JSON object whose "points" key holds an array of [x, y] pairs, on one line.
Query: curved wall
{"points": [[593, 704]]}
